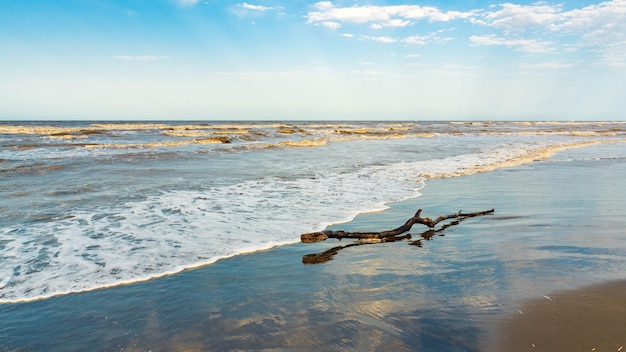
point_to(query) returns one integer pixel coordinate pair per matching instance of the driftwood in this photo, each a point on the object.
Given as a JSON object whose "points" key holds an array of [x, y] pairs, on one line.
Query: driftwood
{"points": [[391, 235], [384, 236]]}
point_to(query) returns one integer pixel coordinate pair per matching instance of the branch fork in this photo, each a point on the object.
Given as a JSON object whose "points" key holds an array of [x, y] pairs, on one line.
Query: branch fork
{"points": [[391, 235]]}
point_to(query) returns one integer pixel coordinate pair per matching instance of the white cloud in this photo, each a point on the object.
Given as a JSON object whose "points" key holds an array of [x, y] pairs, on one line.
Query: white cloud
{"points": [[382, 16], [323, 5], [540, 27], [602, 28], [608, 34], [380, 39], [331, 25], [247, 6], [140, 57], [416, 40], [514, 17], [394, 23], [611, 55], [397, 23], [348, 35], [598, 29], [245, 9], [422, 40], [593, 17], [605, 18], [527, 45]]}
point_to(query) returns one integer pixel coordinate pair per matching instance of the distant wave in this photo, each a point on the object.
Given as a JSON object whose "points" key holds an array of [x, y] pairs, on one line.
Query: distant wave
{"points": [[211, 140], [293, 135], [508, 158]]}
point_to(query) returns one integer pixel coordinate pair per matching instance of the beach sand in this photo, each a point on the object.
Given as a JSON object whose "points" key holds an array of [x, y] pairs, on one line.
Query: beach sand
{"points": [[558, 226], [587, 319]]}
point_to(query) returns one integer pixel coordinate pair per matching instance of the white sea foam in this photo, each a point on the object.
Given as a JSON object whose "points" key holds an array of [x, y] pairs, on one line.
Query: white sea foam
{"points": [[176, 230]]}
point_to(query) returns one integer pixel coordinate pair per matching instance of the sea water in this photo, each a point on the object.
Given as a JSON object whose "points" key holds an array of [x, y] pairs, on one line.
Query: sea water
{"points": [[87, 205]]}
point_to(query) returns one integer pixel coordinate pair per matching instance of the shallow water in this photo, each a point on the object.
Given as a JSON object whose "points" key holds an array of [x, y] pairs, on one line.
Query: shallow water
{"points": [[558, 225], [91, 205]]}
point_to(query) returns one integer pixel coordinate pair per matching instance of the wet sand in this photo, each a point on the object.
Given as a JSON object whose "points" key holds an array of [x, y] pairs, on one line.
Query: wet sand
{"points": [[592, 318]]}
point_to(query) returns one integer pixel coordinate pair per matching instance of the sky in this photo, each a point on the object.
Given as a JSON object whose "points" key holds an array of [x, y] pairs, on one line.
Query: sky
{"points": [[308, 60]]}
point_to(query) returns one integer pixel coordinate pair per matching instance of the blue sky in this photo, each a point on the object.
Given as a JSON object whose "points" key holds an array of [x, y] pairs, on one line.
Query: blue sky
{"points": [[278, 59]]}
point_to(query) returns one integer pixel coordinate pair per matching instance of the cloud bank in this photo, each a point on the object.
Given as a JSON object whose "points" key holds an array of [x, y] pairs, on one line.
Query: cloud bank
{"points": [[539, 28]]}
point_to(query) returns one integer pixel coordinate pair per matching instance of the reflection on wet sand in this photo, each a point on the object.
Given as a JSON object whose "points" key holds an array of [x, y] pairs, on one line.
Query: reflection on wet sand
{"points": [[270, 333], [318, 258], [587, 319]]}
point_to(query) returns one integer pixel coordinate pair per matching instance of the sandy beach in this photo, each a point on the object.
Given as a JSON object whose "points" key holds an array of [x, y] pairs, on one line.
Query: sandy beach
{"points": [[587, 319]]}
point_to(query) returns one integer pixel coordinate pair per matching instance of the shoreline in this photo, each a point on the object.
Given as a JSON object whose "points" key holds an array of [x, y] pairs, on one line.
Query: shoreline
{"points": [[538, 154], [203, 234], [142, 280], [449, 294]]}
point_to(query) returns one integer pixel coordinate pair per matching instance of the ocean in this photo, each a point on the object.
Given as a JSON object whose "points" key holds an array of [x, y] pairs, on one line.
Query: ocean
{"points": [[111, 214]]}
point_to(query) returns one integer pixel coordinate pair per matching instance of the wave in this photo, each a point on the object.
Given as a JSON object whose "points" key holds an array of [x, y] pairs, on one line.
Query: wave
{"points": [[211, 140], [282, 135], [197, 133], [302, 143], [503, 158], [33, 169], [320, 142], [565, 123]]}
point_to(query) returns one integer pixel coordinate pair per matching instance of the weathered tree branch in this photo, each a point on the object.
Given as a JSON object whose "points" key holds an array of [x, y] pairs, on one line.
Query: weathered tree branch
{"points": [[384, 236], [388, 235]]}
